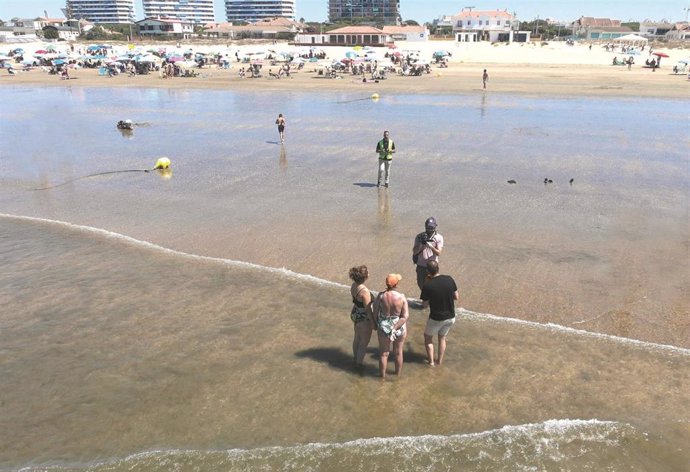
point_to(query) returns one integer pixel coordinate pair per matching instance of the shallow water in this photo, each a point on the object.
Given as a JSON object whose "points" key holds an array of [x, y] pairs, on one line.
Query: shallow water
{"points": [[117, 354]]}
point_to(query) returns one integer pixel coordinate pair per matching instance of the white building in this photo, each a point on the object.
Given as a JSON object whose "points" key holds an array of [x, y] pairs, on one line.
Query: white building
{"points": [[650, 29], [407, 32], [156, 27], [680, 31], [255, 10], [486, 25], [102, 11], [195, 11]]}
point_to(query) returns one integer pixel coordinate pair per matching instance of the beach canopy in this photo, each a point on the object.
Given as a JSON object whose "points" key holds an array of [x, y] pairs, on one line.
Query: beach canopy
{"points": [[149, 58], [632, 38]]}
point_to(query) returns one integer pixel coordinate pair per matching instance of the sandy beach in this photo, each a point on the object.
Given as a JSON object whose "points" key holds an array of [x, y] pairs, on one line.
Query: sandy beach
{"points": [[554, 69], [198, 318]]}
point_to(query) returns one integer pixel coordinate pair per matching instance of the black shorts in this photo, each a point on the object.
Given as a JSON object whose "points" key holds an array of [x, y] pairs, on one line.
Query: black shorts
{"points": [[281, 128]]}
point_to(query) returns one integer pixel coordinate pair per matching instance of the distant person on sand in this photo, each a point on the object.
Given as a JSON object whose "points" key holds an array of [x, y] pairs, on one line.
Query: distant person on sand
{"points": [[361, 313], [485, 77], [390, 314], [439, 294], [427, 247], [280, 121], [385, 149]]}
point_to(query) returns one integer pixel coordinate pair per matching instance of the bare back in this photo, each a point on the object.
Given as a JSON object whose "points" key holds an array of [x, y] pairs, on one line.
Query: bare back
{"points": [[393, 304]]}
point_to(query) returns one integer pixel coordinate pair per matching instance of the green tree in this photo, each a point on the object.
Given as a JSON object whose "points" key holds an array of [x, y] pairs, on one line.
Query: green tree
{"points": [[50, 33], [633, 25], [410, 23]]}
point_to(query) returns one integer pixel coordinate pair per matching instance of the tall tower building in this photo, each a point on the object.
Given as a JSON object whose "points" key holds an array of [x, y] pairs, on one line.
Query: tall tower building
{"points": [[101, 11], [385, 12], [255, 10], [194, 11]]}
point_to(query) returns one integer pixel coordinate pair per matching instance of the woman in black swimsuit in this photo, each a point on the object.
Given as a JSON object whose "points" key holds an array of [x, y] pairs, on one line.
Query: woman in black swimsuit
{"points": [[280, 121], [360, 314]]}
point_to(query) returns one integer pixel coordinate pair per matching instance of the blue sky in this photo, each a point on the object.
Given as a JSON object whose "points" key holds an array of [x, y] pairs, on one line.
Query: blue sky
{"points": [[427, 10]]}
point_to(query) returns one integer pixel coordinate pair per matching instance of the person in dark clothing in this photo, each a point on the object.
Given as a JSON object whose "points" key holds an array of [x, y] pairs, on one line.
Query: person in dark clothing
{"points": [[439, 293]]}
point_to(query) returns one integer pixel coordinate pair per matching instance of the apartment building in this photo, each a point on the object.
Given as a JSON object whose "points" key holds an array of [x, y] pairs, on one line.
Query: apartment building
{"points": [[486, 25], [188, 11], [384, 12], [256, 10], [101, 11]]}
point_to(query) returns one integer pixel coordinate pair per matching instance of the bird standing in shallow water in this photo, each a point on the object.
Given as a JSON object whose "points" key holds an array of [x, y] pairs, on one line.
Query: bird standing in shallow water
{"points": [[571, 181]]}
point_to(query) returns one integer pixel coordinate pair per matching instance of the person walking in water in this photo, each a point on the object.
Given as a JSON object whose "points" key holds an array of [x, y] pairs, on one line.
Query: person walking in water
{"points": [[385, 149], [485, 77], [280, 121], [390, 314], [439, 294]]}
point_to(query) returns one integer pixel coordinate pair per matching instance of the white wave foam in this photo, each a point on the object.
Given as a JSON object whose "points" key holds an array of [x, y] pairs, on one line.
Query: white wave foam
{"points": [[580, 332], [503, 446], [284, 272]]}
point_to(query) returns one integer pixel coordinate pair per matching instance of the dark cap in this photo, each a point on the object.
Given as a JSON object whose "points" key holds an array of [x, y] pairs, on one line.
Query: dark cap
{"points": [[430, 223]]}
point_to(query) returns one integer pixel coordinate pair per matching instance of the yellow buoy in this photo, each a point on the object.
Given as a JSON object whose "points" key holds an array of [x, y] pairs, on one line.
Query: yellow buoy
{"points": [[162, 163], [374, 96]]}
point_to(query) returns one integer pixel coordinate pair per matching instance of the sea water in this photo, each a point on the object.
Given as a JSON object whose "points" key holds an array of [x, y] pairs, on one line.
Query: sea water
{"points": [[198, 320]]}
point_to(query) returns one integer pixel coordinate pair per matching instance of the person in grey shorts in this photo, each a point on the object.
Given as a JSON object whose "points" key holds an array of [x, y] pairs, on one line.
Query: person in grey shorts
{"points": [[439, 294]]}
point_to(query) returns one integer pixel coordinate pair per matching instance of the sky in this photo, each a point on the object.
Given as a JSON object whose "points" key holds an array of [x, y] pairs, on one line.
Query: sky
{"points": [[427, 10]]}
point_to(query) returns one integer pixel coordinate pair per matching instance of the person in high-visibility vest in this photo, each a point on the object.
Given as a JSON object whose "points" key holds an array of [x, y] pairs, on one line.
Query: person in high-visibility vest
{"points": [[385, 149]]}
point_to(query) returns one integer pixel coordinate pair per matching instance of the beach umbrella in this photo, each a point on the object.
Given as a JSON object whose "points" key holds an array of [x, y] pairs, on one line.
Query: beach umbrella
{"points": [[350, 54], [175, 59], [659, 55], [58, 62], [40, 52], [441, 54]]}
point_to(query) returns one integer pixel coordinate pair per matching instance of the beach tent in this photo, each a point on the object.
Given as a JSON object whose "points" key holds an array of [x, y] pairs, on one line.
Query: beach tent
{"points": [[633, 39]]}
